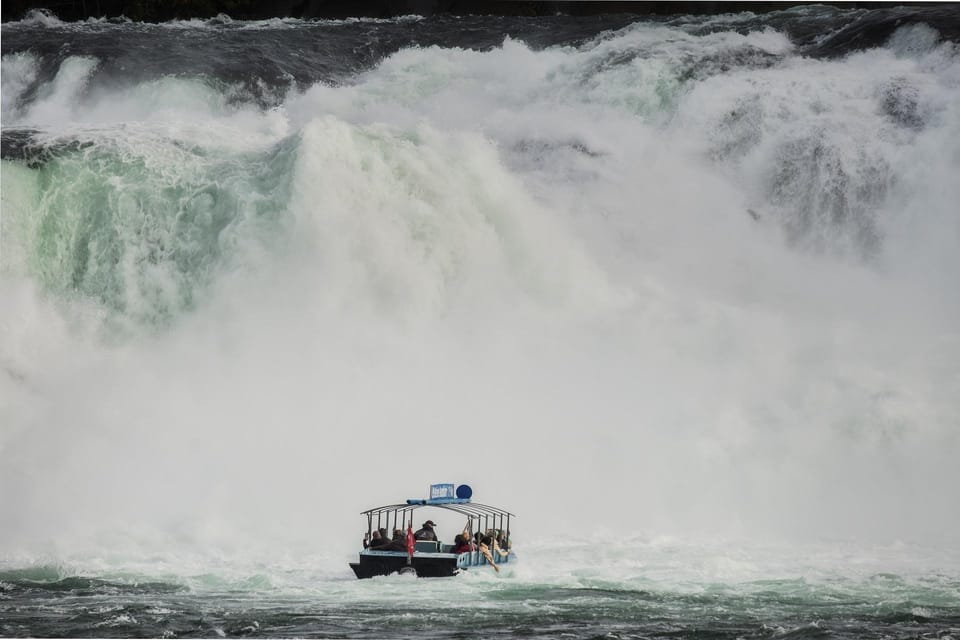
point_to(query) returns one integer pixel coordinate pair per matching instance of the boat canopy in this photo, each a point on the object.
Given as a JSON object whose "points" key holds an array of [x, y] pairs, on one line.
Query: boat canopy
{"points": [[401, 514]]}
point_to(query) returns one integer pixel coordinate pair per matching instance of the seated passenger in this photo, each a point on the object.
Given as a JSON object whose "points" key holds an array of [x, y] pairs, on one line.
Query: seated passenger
{"points": [[399, 542], [375, 540], [426, 532], [462, 544], [379, 543], [501, 544]]}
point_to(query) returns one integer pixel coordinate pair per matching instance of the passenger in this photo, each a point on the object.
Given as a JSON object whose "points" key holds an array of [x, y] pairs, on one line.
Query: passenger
{"points": [[502, 543], [462, 544], [380, 544], [426, 532], [374, 540], [485, 544], [399, 542]]}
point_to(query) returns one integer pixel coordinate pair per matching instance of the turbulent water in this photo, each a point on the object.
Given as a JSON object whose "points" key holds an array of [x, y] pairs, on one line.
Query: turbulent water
{"points": [[681, 293]]}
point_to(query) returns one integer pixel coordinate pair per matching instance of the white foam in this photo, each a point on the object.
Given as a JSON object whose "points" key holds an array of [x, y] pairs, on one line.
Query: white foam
{"points": [[517, 269], [19, 72]]}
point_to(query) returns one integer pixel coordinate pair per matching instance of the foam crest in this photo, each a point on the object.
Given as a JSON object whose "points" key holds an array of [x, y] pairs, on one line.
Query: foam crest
{"points": [[66, 104], [19, 73], [57, 100], [790, 139], [44, 18]]}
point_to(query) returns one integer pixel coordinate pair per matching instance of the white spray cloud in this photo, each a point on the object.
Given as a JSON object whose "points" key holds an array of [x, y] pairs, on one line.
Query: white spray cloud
{"points": [[515, 270]]}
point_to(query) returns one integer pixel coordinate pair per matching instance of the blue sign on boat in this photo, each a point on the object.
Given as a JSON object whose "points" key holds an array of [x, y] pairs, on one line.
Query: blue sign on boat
{"points": [[441, 491]]}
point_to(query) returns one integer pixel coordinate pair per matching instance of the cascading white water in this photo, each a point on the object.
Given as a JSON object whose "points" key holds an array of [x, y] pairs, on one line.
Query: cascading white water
{"points": [[573, 277]]}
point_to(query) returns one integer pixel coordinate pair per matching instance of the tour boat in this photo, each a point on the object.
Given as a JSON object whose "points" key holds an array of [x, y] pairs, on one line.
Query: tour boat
{"points": [[429, 558]]}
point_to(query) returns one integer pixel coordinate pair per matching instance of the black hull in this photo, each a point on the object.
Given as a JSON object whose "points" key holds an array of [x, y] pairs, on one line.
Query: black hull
{"points": [[435, 566]]}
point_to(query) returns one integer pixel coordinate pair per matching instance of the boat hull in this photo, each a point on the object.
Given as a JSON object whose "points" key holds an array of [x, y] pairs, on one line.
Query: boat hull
{"points": [[382, 563], [425, 565]]}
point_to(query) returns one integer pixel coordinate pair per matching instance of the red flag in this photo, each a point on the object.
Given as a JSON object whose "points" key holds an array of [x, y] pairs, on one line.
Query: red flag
{"points": [[411, 543]]}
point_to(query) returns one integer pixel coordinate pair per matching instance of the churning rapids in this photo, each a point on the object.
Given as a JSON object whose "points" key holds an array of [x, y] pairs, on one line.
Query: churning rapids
{"points": [[682, 293]]}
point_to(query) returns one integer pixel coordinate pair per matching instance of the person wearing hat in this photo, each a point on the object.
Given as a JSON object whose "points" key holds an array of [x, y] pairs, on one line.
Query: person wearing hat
{"points": [[426, 532]]}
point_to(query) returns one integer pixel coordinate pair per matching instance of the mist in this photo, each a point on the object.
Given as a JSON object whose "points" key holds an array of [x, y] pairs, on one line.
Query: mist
{"points": [[611, 302]]}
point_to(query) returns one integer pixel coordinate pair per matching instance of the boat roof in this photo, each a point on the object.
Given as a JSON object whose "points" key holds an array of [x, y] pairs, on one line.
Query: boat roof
{"points": [[463, 507]]}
